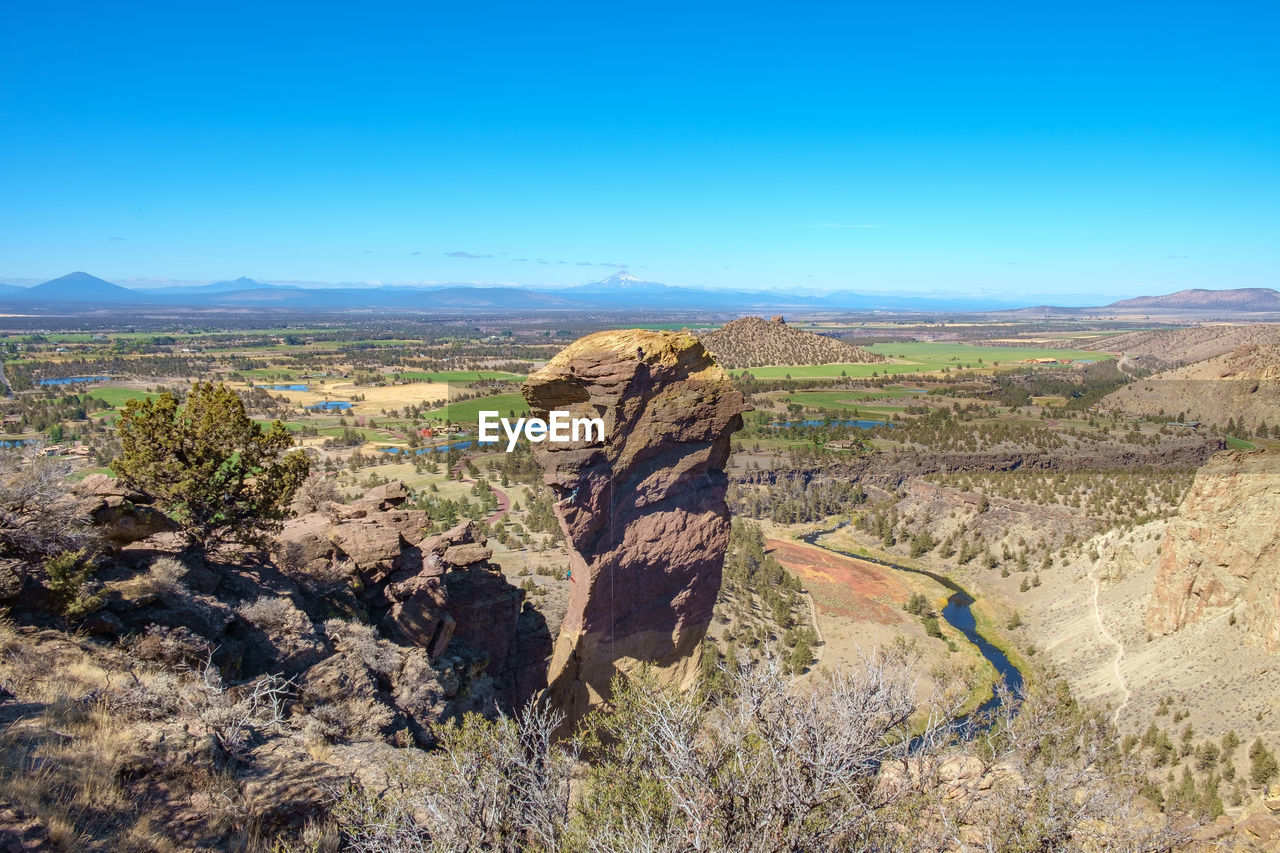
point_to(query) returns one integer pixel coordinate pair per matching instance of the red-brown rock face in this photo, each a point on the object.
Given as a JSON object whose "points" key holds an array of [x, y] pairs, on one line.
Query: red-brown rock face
{"points": [[643, 511], [1222, 551], [425, 592]]}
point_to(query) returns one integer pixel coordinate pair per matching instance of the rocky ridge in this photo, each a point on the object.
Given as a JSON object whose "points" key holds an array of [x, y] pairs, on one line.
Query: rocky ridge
{"points": [[643, 512], [201, 682]]}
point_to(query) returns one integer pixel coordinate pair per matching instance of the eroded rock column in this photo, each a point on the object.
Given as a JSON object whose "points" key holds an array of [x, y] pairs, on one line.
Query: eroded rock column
{"points": [[643, 510]]}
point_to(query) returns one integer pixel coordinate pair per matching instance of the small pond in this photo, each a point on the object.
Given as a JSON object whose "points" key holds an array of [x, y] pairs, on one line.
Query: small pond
{"points": [[814, 422], [444, 448], [71, 380]]}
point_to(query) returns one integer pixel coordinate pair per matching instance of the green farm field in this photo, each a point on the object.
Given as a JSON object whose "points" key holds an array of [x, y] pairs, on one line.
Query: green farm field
{"points": [[842, 400], [459, 375], [468, 411], [117, 397], [949, 355], [923, 358]]}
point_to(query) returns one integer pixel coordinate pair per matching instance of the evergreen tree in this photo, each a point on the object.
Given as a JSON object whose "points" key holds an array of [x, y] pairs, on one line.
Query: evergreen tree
{"points": [[1263, 766], [218, 474], [801, 657]]}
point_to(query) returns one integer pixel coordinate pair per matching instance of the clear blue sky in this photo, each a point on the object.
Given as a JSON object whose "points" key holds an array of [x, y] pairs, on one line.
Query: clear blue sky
{"points": [[1001, 148]]}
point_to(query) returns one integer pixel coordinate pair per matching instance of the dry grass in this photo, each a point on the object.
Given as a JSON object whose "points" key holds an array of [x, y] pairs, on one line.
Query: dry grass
{"points": [[62, 766], [376, 398], [73, 755]]}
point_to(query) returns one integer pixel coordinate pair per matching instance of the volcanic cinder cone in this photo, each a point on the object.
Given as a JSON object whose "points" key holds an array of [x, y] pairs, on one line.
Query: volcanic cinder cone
{"points": [[644, 511]]}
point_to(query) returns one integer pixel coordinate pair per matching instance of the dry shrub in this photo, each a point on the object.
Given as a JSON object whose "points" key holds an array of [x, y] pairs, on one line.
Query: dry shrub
{"points": [[353, 719], [362, 641], [146, 697], [165, 577], [316, 492], [235, 715], [292, 560], [274, 614], [176, 648]]}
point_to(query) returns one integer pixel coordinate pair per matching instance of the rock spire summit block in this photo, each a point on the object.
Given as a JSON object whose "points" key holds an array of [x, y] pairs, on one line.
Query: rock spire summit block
{"points": [[643, 511]]}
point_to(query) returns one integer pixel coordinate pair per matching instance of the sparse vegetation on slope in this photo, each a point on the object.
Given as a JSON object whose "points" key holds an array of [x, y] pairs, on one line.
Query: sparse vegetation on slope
{"points": [[772, 765], [755, 342], [1169, 347], [1240, 388]]}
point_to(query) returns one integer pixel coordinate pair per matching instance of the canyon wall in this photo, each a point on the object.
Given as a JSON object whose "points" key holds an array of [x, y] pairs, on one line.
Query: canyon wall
{"points": [[1221, 553]]}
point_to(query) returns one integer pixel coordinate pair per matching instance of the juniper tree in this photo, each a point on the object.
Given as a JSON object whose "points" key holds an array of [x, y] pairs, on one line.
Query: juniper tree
{"points": [[216, 472], [1262, 763]]}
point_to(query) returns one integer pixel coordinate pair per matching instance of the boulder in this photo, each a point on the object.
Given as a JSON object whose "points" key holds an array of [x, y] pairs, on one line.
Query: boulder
{"points": [[459, 534], [120, 514], [376, 543], [102, 486], [462, 556], [122, 522], [376, 548], [305, 540], [643, 511], [387, 496]]}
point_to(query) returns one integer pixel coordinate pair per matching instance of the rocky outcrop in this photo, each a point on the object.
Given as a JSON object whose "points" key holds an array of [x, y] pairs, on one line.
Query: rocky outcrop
{"points": [[1221, 553], [120, 514], [643, 511], [420, 606], [424, 592]]}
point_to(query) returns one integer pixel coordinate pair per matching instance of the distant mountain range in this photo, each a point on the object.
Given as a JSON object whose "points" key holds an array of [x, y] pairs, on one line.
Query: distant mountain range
{"points": [[619, 292], [1240, 299], [77, 287]]}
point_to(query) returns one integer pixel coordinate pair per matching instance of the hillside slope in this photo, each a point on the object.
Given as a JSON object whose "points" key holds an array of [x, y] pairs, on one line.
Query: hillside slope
{"points": [[1243, 384], [756, 342], [1171, 347]]}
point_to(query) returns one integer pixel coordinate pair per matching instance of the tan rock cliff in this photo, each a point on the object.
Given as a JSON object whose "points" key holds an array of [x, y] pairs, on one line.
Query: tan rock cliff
{"points": [[644, 511], [1221, 553]]}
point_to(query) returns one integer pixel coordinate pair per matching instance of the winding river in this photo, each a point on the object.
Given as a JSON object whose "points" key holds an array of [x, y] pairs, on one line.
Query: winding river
{"points": [[957, 614]]}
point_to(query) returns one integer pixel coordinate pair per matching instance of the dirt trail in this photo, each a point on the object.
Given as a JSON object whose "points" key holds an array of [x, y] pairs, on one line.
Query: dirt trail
{"points": [[817, 629], [1102, 629]]}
